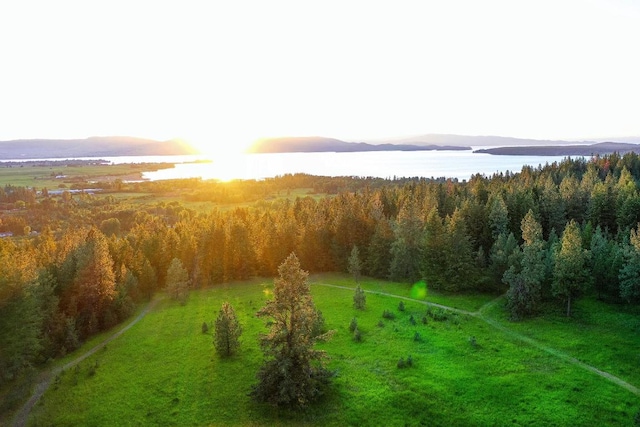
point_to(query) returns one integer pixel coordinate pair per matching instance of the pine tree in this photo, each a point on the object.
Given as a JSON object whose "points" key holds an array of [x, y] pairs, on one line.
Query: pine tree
{"points": [[293, 373], [571, 272], [359, 298], [526, 275], [177, 281], [630, 272], [227, 331], [355, 267]]}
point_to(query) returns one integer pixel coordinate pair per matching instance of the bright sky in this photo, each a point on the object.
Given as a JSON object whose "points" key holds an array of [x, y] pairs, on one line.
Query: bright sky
{"points": [[227, 72]]}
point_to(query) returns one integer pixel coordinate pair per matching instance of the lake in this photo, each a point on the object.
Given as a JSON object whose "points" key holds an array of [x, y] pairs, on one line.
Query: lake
{"points": [[381, 164]]}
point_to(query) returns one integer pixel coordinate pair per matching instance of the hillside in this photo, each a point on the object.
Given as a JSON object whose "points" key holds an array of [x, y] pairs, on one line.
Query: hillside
{"points": [[468, 140], [109, 146], [314, 144], [564, 150]]}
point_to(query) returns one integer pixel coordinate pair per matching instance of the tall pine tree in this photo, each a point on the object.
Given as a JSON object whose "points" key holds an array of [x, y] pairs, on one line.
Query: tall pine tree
{"points": [[293, 373]]}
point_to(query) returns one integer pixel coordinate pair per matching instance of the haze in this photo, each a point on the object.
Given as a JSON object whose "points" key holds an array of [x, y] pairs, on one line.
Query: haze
{"points": [[226, 73]]}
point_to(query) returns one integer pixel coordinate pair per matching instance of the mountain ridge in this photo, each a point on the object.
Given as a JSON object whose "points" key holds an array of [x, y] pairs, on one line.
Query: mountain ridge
{"points": [[95, 146]]}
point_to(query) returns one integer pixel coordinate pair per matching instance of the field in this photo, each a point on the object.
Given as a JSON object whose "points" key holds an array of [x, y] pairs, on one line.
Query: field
{"points": [[52, 177], [164, 371]]}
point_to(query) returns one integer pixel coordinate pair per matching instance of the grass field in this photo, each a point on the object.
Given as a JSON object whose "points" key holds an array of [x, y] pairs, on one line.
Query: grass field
{"points": [[164, 370], [45, 176]]}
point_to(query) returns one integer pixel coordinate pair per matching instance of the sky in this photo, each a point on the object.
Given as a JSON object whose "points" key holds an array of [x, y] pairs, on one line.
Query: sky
{"points": [[223, 73]]}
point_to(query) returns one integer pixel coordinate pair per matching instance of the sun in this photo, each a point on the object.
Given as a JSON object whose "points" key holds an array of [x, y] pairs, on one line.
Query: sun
{"points": [[216, 146]]}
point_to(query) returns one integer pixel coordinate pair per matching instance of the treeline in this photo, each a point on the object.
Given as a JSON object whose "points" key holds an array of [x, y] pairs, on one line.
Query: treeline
{"points": [[546, 233]]}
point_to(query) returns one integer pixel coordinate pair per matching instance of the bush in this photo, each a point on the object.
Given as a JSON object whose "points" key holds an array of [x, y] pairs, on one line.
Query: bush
{"points": [[438, 314], [357, 335], [636, 419], [412, 320], [388, 315], [401, 306], [92, 369], [359, 299], [424, 320], [405, 364], [318, 324], [353, 325], [473, 342], [205, 327], [380, 324], [417, 337]]}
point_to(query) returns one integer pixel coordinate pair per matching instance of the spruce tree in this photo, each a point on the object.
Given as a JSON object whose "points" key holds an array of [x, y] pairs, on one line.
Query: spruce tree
{"points": [[571, 272], [227, 331], [177, 281], [293, 373], [359, 299], [355, 267]]}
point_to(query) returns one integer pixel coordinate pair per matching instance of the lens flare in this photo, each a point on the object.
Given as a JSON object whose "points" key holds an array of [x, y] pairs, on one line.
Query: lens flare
{"points": [[419, 290]]}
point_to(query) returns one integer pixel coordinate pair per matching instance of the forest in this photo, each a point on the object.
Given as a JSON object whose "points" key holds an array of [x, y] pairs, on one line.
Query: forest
{"points": [[76, 264]]}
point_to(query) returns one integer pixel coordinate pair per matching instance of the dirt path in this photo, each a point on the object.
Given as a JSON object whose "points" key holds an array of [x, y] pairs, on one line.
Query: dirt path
{"points": [[20, 419], [479, 314]]}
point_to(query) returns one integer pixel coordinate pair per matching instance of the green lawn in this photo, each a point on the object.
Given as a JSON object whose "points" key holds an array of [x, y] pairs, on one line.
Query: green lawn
{"points": [[598, 334], [164, 370]]}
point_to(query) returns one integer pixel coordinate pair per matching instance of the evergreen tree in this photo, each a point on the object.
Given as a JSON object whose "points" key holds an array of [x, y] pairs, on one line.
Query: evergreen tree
{"points": [[630, 272], [525, 277], [94, 286], [354, 264], [359, 298], [571, 269], [177, 281], [227, 331], [606, 263], [498, 217], [292, 374], [406, 249]]}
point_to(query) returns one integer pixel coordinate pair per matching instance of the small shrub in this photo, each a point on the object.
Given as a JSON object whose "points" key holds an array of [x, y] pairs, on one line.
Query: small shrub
{"points": [[319, 324], [424, 320], [401, 306], [388, 315], [359, 299], [409, 362], [438, 314], [353, 325], [636, 419], [401, 364], [417, 337], [92, 369], [357, 335], [205, 327], [412, 320], [380, 324], [455, 319], [473, 342]]}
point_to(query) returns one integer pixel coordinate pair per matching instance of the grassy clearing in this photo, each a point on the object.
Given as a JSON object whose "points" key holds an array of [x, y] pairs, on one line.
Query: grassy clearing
{"points": [[469, 302], [598, 334], [165, 371]]}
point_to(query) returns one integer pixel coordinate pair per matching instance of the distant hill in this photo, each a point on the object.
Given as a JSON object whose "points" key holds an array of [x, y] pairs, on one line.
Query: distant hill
{"points": [[315, 144], [467, 140], [565, 150], [97, 146]]}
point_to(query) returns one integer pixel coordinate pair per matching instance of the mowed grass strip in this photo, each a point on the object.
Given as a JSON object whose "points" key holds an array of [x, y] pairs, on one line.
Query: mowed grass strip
{"points": [[164, 371]]}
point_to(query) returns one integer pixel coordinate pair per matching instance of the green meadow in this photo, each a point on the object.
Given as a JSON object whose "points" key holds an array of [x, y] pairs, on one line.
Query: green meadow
{"points": [[164, 370]]}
